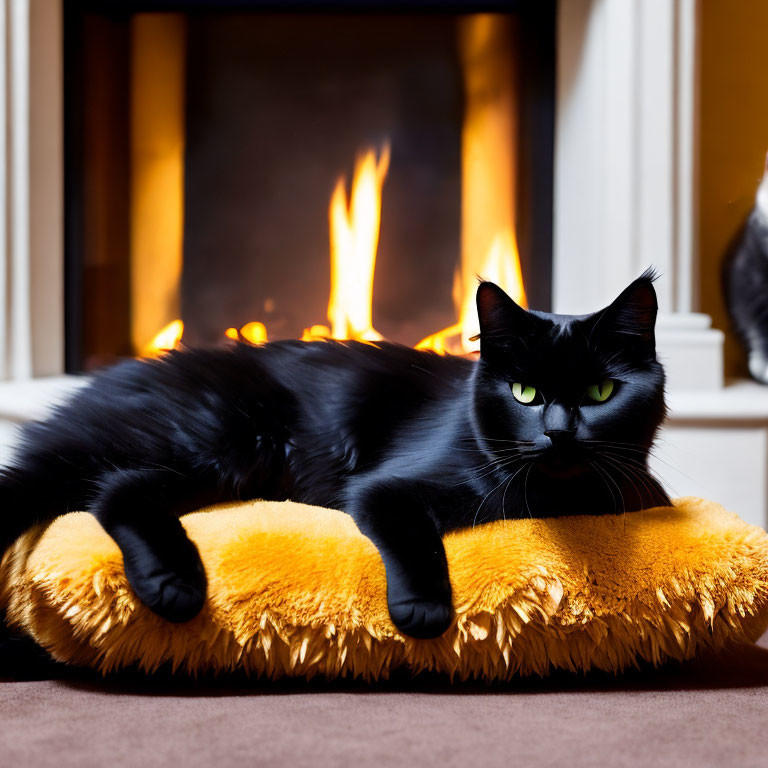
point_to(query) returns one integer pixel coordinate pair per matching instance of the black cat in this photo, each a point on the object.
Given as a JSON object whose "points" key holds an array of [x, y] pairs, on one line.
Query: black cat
{"points": [[556, 417], [745, 281]]}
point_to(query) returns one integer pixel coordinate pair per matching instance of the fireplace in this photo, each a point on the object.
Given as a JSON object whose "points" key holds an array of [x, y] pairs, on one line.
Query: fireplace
{"points": [[254, 174], [626, 158]]}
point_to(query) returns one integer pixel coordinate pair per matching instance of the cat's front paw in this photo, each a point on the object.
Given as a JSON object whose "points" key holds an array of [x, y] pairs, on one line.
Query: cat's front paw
{"points": [[421, 618], [171, 596]]}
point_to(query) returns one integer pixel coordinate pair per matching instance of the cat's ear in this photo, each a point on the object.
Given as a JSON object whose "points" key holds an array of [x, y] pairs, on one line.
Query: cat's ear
{"points": [[632, 315], [501, 319]]}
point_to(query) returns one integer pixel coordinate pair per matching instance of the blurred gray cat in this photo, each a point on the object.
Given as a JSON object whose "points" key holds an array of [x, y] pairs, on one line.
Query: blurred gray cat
{"points": [[745, 280]]}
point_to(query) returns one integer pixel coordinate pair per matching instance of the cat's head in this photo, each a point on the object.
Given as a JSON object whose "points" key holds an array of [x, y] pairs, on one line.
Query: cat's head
{"points": [[572, 395]]}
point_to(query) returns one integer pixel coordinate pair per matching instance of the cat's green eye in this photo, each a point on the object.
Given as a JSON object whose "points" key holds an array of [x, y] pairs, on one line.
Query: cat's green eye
{"points": [[600, 392], [523, 393]]}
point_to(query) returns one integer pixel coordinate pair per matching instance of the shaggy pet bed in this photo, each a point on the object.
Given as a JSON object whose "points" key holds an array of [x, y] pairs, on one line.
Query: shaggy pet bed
{"points": [[297, 590]]}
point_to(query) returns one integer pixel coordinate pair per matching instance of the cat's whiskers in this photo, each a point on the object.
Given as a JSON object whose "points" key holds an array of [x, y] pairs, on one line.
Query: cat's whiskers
{"points": [[500, 466], [504, 498], [506, 447], [489, 469], [496, 451], [618, 489], [636, 470], [485, 498], [500, 457], [640, 470], [625, 471], [642, 466], [633, 447], [621, 494], [480, 506], [507, 440], [525, 490], [618, 453], [493, 445], [645, 452], [601, 472]]}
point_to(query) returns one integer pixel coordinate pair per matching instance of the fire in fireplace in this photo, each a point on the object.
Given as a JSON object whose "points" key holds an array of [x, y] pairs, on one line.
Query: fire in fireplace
{"points": [[205, 184]]}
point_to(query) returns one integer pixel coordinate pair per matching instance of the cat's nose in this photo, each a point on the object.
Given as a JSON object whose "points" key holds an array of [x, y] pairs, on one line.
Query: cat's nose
{"points": [[560, 436]]}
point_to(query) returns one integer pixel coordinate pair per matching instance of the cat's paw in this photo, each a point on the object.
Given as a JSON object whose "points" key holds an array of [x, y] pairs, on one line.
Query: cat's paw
{"points": [[171, 596], [421, 618]]}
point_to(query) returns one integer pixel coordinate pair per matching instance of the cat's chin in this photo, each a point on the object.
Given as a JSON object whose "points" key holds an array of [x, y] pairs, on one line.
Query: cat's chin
{"points": [[562, 468]]}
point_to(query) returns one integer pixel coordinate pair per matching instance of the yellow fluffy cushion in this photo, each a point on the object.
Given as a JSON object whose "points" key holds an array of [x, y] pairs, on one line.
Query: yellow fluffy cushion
{"points": [[297, 590]]}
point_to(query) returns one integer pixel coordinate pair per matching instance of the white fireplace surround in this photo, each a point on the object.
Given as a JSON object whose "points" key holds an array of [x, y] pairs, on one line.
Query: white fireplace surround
{"points": [[625, 199], [625, 178], [624, 181], [31, 189]]}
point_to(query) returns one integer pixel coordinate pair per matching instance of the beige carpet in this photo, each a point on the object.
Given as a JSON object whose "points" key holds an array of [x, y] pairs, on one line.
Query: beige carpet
{"points": [[709, 713]]}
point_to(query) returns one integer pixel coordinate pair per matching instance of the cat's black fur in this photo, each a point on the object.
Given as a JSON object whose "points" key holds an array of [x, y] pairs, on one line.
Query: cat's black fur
{"points": [[745, 283], [409, 443]]}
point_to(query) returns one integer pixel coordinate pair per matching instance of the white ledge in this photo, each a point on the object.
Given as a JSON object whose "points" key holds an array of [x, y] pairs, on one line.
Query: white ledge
{"points": [[32, 399], [739, 400]]}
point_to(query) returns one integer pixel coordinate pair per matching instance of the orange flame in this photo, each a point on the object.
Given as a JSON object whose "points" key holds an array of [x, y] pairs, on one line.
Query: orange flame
{"points": [[165, 340], [354, 230], [501, 266], [488, 170], [254, 332], [354, 235], [316, 333]]}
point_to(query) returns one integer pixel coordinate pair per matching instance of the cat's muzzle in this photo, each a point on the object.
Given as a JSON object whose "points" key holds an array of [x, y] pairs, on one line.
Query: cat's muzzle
{"points": [[562, 457]]}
